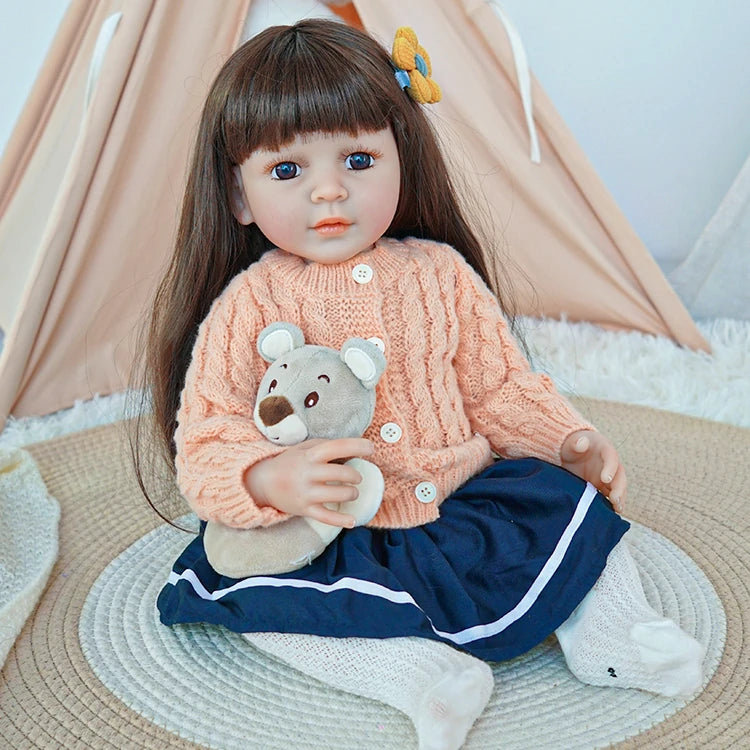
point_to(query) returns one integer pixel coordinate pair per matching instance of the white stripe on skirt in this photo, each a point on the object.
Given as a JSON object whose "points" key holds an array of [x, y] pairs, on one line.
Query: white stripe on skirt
{"points": [[468, 635]]}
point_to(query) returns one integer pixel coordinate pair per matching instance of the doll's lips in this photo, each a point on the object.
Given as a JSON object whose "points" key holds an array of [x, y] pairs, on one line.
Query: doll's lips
{"points": [[332, 226]]}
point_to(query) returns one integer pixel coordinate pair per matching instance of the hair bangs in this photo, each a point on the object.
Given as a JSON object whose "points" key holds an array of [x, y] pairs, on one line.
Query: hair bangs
{"points": [[305, 85]]}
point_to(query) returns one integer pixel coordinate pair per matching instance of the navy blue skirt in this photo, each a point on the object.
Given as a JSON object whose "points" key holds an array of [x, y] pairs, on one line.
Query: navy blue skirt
{"points": [[511, 556]]}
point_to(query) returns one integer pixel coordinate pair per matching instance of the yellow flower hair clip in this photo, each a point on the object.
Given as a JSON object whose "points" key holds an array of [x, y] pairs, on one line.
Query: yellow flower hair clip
{"points": [[413, 67]]}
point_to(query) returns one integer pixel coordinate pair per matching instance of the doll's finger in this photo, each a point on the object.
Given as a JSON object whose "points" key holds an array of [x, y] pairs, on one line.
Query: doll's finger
{"points": [[570, 448], [610, 461], [616, 503], [620, 484], [331, 517], [609, 471], [618, 491], [332, 493], [335, 473], [582, 444], [331, 450]]}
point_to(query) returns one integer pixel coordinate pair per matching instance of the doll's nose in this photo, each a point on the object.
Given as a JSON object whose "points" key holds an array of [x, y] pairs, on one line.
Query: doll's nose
{"points": [[329, 188]]}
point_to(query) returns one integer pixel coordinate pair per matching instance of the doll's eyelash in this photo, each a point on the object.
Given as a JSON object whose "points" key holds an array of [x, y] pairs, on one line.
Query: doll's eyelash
{"points": [[288, 159], [363, 150]]}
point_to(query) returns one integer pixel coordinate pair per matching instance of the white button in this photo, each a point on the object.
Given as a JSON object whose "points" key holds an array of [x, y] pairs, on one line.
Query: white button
{"points": [[378, 342], [426, 492], [362, 273], [391, 432]]}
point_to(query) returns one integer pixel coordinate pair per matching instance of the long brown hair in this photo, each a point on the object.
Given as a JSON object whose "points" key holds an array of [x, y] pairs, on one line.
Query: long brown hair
{"points": [[314, 76]]}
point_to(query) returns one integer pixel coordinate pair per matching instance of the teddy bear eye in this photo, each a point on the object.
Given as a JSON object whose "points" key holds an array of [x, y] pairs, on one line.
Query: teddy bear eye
{"points": [[272, 385], [311, 399]]}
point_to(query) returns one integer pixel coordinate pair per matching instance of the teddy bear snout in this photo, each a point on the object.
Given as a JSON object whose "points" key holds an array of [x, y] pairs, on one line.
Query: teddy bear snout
{"points": [[273, 409]]}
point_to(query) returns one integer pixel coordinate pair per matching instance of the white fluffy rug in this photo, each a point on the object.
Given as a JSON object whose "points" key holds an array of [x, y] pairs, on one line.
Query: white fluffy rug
{"points": [[583, 359], [636, 368]]}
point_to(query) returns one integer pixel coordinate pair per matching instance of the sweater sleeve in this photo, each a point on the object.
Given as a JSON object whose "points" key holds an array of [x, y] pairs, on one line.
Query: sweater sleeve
{"points": [[519, 411], [216, 438]]}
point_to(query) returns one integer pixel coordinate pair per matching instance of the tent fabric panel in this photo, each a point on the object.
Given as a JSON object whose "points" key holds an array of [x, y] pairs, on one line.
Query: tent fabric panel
{"points": [[39, 150], [105, 248], [66, 49], [46, 291]]}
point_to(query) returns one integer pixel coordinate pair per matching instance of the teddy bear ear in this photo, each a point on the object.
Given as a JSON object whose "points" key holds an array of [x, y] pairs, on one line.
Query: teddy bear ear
{"points": [[279, 339], [364, 359]]}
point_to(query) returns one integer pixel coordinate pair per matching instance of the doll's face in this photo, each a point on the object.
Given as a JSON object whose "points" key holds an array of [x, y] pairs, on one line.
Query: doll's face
{"points": [[324, 196]]}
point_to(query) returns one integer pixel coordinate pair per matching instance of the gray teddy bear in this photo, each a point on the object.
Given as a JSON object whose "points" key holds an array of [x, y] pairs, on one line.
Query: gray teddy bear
{"points": [[307, 392]]}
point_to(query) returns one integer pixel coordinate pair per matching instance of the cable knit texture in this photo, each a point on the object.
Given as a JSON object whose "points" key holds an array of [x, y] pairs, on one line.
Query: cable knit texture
{"points": [[455, 383]]}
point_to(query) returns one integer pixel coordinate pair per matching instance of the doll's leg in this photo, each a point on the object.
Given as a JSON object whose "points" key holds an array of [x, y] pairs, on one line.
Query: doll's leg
{"points": [[614, 637], [440, 689]]}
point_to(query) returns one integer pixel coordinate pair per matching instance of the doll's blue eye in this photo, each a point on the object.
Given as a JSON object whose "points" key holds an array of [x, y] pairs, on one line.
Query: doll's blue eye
{"points": [[359, 160], [286, 170]]}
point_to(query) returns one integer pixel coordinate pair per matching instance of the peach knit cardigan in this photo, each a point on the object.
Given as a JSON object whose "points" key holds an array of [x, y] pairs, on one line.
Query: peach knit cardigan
{"points": [[456, 385]]}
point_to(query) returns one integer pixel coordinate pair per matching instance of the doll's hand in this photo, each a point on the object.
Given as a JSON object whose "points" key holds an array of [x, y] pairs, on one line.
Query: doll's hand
{"points": [[300, 480], [591, 456]]}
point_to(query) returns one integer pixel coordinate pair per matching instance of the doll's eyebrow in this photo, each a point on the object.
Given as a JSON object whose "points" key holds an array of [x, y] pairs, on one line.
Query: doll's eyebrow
{"points": [[324, 377]]}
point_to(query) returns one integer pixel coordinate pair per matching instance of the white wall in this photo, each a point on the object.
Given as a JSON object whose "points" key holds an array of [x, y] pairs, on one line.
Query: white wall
{"points": [[26, 31], [658, 94], [656, 91]]}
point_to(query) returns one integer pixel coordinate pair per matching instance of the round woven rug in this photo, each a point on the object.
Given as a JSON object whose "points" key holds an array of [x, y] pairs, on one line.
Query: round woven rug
{"points": [[689, 482], [136, 657]]}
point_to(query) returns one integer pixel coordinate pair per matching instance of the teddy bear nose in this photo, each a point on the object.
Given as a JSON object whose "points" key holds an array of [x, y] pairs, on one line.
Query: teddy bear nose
{"points": [[273, 409]]}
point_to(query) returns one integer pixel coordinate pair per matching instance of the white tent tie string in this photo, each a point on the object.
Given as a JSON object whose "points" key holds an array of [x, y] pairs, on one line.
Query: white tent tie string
{"points": [[524, 76], [106, 33]]}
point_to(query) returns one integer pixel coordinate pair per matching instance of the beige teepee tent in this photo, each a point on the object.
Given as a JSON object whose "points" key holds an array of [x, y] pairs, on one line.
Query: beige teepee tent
{"points": [[91, 180]]}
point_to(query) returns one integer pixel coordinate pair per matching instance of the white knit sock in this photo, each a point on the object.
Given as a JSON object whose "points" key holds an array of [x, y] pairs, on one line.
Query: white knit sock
{"points": [[440, 689], [614, 637]]}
